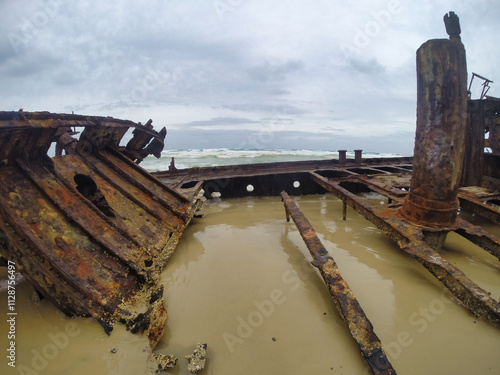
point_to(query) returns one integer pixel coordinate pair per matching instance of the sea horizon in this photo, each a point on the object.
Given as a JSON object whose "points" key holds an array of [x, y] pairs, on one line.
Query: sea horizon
{"points": [[209, 157]]}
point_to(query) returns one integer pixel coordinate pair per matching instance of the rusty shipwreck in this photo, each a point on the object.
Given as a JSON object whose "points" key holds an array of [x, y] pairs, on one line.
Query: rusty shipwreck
{"points": [[92, 230]]}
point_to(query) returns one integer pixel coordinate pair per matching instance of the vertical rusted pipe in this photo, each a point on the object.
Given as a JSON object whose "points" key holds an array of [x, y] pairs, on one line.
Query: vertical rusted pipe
{"points": [[441, 124], [342, 157], [358, 156]]}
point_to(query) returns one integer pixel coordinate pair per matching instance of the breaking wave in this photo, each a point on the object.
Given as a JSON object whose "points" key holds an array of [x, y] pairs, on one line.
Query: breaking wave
{"points": [[224, 156]]}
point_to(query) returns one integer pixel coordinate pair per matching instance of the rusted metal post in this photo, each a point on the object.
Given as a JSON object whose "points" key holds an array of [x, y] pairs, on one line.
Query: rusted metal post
{"points": [[358, 156], [348, 306], [342, 157], [344, 210], [441, 124]]}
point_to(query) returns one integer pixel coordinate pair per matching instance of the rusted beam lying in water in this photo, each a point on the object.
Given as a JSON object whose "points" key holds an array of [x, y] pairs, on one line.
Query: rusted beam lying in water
{"points": [[348, 306], [479, 206], [411, 239]]}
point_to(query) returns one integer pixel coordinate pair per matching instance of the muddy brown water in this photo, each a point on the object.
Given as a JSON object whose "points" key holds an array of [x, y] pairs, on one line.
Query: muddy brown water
{"points": [[240, 280]]}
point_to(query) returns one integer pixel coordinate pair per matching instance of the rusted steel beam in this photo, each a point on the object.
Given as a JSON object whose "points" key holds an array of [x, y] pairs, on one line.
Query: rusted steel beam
{"points": [[482, 209], [440, 135], [77, 212], [411, 239], [394, 195], [480, 237], [249, 170], [364, 208], [348, 306]]}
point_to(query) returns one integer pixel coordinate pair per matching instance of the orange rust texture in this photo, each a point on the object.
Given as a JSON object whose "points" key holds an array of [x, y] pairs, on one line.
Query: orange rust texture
{"points": [[95, 250], [440, 134], [346, 303]]}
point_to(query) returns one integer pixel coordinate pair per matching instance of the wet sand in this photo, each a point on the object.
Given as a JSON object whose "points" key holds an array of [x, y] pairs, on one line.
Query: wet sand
{"points": [[240, 280]]}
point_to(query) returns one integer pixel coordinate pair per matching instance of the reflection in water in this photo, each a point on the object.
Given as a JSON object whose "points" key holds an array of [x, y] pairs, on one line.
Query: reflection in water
{"points": [[240, 280]]}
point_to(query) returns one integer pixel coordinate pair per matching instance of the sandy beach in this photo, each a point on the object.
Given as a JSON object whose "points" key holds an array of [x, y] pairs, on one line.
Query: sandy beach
{"points": [[240, 281]]}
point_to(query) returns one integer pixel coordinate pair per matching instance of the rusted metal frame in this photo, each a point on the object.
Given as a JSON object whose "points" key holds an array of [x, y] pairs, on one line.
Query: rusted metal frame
{"points": [[44, 264], [479, 236], [45, 119], [401, 168], [209, 173], [172, 228], [133, 181], [365, 181], [358, 204], [410, 239], [128, 195], [476, 299], [56, 266], [346, 303], [97, 233], [479, 208], [146, 174], [31, 226], [192, 193], [109, 221], [377, 172]]}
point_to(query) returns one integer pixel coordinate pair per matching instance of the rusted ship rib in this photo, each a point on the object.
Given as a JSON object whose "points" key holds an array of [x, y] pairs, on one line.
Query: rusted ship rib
{"points": [[90, 229]]}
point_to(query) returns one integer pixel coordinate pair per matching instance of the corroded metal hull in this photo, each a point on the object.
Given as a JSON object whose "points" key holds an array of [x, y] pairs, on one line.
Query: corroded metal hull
{"points": [[91, 230]]}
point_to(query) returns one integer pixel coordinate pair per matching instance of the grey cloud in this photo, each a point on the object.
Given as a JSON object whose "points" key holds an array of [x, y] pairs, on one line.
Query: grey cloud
{"points": [[245, 70], [367, 66], [285, 110], [275, 71], [217, 121]]}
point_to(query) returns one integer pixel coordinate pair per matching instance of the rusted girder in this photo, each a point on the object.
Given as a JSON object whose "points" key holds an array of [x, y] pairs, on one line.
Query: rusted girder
{"points": [[412, 240], [348, 306], [479, 236], [482, 209]]}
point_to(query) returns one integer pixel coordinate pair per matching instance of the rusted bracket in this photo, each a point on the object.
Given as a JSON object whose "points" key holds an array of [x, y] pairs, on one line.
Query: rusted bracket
{"points": [[411, 239], [348, 306]]}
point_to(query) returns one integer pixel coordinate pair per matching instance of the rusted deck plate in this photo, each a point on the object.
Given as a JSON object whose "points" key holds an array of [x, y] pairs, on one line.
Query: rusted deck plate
{"points": [[346, 303], [94, 255]]}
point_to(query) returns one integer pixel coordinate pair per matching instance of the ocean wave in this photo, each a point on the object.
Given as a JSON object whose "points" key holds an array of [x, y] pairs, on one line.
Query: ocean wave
{"points": [[189, 158]]}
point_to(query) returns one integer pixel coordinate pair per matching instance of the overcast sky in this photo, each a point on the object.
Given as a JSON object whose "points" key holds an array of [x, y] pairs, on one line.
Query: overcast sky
{"points": [[323, 74]]}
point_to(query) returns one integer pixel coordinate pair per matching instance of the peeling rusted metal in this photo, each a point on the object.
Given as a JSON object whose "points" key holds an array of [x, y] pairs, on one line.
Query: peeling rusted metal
{"points": [[346, 303], [440, 134], [89, 229]]}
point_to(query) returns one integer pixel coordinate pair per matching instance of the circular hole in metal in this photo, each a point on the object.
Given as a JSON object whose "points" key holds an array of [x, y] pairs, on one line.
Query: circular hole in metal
{"points": [[250, 188], [296, 184]]}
